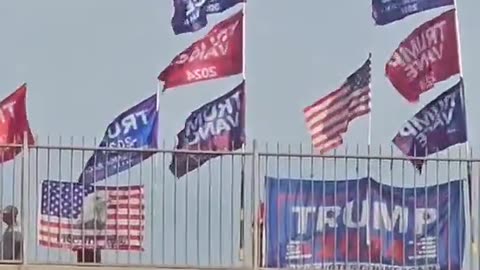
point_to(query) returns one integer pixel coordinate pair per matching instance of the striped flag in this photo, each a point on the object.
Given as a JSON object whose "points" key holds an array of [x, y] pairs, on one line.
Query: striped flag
{"points": [[74, 216], [328, 118]]}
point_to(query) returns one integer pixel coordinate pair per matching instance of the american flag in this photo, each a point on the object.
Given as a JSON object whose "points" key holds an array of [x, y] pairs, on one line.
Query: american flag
{"points": [[75, 215], [328, 118]]}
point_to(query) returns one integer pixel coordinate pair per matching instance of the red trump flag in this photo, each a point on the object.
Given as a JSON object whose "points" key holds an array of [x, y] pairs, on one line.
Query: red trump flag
{"points": [[217, 55], [14, 123], [427, 56]]}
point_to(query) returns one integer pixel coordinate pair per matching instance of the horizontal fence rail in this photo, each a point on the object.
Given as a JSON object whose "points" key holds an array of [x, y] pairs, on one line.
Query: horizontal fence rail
{"points": [[224, 214]]}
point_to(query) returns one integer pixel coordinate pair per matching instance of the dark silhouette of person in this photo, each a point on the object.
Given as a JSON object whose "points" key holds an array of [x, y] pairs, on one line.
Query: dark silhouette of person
{"points": [[12, 240]]}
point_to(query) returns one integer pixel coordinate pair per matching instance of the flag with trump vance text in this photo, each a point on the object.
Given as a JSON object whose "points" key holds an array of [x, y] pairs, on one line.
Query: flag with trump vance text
{"points": [[75, 216], [436, 127], [328, 118], [218, 125]]}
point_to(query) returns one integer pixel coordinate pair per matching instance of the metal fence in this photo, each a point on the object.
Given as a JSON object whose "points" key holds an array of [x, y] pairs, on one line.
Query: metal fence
{"points": [[207, 218]]}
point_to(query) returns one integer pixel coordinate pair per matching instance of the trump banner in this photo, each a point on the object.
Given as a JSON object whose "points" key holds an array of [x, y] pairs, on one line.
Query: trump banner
{"points": [[385, 12], [363, 224], [427, 56], [14, 123], [134, 128], [216, 126], [217, 55], [437, 126], [191, 15], [75, 216]]}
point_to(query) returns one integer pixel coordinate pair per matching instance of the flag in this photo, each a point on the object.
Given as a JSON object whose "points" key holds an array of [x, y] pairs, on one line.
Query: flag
{"points": [[78, 216], [14, 123], [437, 126], [134, 128], [191, 15], [364, 223], [427, 56], [217, 55], [328, 118], [385, 12], [216, 126]]}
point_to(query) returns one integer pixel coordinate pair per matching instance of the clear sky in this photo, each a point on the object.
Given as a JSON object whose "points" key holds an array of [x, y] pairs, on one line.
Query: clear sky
{"points": [[86, 61]]}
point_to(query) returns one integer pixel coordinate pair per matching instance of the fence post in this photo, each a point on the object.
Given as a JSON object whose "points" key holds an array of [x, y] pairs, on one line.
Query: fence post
{"points": [[24, 195], [254, 231]]}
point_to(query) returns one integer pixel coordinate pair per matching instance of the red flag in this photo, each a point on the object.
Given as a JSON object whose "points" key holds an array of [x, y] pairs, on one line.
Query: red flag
{"points": [[427, 56], [217, 55], [13, 123]]}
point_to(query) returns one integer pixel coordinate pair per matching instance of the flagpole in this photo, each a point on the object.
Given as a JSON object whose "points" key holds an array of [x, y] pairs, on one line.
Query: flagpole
{"points": [[467, 144], [242, 180]]}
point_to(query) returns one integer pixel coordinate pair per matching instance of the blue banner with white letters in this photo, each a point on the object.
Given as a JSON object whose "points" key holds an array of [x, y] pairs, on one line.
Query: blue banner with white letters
{"points": [[191, 15], [364, 224], [388, 11], [437, 126], [216, 126], [134, 128]]}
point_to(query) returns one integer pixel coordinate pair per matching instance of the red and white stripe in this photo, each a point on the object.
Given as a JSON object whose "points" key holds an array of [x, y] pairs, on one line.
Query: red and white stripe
{"points": [[328, 118], [125, 220]]}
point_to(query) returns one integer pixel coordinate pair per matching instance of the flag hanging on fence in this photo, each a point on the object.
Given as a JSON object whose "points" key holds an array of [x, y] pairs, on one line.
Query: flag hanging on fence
{"points": [[219, 54], [328, 118], [14, 123], [191, 15], [437, 126], [134, 128], [364, 223], [385, 12], [216, 126], [427, 56], [77, 216]]}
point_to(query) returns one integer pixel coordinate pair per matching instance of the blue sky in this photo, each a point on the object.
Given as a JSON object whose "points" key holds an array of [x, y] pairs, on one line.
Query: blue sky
{"points": [[87, 61]]}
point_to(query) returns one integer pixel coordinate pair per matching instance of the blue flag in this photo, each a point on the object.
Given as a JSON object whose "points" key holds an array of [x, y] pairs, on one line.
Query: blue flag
{"points": [[388, 11], [134, 128], [439, 125], [191, 15], [216, 126], [364, 224]]}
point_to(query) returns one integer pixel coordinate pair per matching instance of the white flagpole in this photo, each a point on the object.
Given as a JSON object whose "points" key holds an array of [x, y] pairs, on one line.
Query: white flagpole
{"points": [[467, 144], [242, 184]]}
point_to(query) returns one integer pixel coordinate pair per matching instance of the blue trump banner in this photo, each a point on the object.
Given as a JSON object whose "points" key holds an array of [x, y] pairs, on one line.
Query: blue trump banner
{"points": [[216, 126], [388, 11], [134, 128], [437, 126], [363, 224], [191, 15]]}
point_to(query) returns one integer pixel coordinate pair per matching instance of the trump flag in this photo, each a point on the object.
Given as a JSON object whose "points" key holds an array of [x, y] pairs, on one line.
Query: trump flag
{"points": [[191, 15], [427, 56], [14, 123], [437, 126], [217, 55], [75, 216], [385, 12], [134, 128], [364, 224], [216, 126]]}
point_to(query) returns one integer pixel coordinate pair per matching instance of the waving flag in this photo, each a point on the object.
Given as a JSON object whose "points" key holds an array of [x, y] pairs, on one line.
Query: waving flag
{"points": [[134, 128], [385, 12], [216, 126], [328, 118], [191, 15], [217, 55], [319, 224], [74, 216], [439, 125], [427, 56], [14, 123]]}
